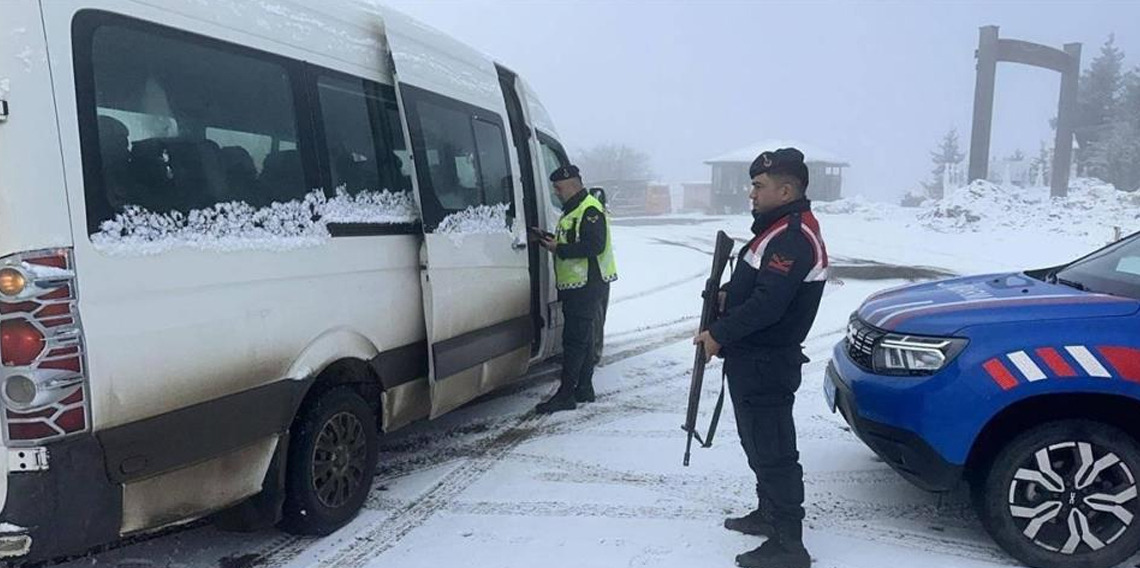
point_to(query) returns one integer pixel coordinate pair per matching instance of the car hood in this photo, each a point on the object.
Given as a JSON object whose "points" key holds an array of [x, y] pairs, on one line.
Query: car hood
{"points": [[946, 306]]}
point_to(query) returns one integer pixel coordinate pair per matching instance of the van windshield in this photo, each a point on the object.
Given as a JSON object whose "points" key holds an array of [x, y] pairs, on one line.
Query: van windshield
{"points": [[1112, 270]]}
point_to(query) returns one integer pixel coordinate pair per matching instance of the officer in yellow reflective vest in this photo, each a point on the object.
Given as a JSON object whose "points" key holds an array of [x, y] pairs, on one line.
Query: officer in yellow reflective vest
{"points": [[583, 267]]}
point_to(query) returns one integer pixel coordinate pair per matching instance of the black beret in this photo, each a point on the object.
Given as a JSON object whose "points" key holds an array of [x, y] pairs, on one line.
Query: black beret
{"points": [[785, 161], [565, 173]]}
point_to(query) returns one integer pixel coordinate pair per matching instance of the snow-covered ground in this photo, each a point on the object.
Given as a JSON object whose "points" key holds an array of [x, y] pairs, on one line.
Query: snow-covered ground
{"points": [[493, 485]]}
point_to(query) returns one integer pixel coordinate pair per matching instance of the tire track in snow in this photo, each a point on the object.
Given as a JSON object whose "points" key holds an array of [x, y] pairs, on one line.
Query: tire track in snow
{"points": [[387, 532], [661, 287], [648, 346], [596, 510], [704, 497]]}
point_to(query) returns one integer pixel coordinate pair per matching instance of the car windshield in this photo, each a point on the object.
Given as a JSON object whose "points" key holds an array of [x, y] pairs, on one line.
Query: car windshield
{"points": [[1114, 270]]}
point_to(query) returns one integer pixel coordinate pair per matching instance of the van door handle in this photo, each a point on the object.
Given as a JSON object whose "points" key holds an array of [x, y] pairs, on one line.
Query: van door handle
{"points": [[518, 246]]}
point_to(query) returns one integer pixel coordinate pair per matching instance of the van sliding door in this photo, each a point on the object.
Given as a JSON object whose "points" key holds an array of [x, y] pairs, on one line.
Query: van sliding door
{"points": [[474, 268]]}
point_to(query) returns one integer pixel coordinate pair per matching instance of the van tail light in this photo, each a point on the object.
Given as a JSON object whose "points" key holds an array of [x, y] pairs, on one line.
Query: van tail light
{"points": [[21, 342], [43, 369]]}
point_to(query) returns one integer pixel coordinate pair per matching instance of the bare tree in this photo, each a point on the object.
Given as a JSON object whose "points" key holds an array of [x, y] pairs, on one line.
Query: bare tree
{"points": [[614, 162]]}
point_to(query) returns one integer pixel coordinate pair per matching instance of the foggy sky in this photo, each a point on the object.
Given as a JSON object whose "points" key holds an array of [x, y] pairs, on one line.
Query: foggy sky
{"points": [[877, 83]]}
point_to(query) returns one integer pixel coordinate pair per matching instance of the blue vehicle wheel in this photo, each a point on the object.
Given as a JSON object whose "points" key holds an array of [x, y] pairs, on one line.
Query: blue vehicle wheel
{"points": [[1064, 494]]}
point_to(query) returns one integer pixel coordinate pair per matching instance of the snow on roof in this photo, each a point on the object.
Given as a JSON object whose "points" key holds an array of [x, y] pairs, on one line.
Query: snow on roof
{"points": [[746, 154]]}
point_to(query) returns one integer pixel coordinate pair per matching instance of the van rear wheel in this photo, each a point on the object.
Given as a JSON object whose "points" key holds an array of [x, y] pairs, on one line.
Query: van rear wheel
{"points": [[332, 460], [1064, 494]]}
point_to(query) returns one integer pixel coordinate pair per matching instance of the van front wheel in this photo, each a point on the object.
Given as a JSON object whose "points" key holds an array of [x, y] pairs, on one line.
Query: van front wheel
{"points": [[332, 459]]}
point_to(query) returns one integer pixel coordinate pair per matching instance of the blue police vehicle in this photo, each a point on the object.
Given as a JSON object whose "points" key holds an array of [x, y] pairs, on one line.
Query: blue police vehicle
{"points": [[1026, 386]]}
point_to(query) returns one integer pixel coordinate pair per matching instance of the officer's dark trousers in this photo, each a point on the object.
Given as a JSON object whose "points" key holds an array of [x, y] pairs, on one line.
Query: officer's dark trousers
{"points": [[580, 316], [600, 325], [763, 391]]}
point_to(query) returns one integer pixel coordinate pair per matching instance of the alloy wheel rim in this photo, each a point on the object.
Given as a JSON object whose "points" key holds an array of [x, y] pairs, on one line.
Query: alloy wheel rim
{"points": [[1073, 497], [339, 460]]}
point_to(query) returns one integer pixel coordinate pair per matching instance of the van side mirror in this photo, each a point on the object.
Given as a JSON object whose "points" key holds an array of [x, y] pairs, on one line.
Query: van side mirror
{"points": [[599, 193]]}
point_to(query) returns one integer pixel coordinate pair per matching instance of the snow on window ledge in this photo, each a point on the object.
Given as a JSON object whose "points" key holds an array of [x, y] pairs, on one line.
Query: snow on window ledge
{"points": [[379, 207], [475, 220], [238, 226]]}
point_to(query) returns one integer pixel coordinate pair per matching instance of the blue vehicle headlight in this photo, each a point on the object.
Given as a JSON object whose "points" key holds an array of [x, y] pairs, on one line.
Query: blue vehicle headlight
{"points": [[897, 354]]}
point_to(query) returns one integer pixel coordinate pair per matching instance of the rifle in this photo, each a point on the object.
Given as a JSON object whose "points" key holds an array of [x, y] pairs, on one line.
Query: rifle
{"points": [[722, 252]]}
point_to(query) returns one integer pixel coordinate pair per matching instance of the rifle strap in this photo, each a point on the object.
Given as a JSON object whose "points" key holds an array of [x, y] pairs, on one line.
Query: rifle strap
{"points": [[707, 443], [707, 440]]}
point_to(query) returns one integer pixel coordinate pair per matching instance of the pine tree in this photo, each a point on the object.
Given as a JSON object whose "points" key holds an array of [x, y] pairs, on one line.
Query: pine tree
{"points": [[1117, 157], [948, 154], [1042, 166], [1098, 95]]}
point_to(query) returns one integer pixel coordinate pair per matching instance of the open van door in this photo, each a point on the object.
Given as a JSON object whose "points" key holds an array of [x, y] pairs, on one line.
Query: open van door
{"points": [[546, 155], [474, 269]]}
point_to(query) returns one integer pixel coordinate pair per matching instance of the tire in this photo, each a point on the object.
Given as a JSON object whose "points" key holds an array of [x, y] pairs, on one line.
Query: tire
{"points": [[1035, 499], [332, 460]]}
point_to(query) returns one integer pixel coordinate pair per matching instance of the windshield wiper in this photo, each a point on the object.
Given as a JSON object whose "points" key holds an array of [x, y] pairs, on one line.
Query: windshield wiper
{"points": [[1070, 283]]}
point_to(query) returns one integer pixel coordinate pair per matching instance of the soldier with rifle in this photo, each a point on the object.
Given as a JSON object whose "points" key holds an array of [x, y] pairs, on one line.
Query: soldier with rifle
{"points": [[770, 305]]}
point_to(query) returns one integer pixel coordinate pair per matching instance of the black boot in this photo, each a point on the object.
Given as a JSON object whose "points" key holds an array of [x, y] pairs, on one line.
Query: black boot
{"points": [[755, 523], [585, 393], [774, 554], [562, 400]]}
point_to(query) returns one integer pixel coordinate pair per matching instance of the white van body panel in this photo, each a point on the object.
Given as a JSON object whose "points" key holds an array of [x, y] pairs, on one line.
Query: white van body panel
{"points": [[33, 205], [185, 327], [539, 118], [177, 497], [339, 35], [140, 312], [427, 58]]}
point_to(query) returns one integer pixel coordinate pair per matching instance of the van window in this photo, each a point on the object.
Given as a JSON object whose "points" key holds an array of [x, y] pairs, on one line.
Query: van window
{"points": [[184, 123], [450, 146], [496, 170], [461, 156], [361, 148], [552, 158]]}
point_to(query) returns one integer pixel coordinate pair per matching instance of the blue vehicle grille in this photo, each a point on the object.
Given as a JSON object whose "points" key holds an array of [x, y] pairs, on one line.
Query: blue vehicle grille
{"points": [[861, 340]]}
